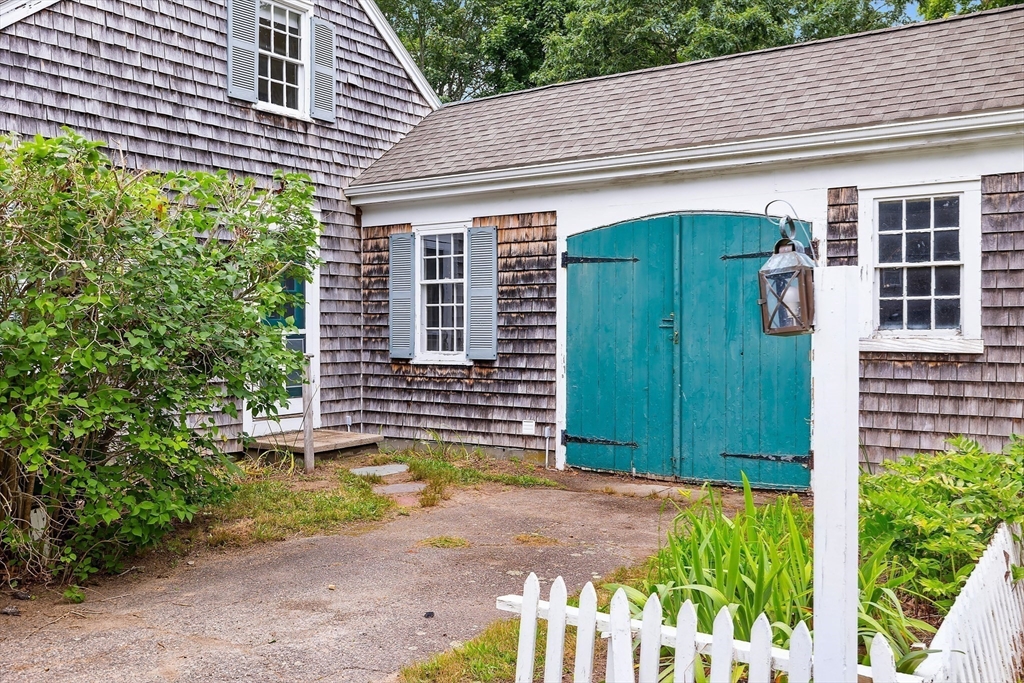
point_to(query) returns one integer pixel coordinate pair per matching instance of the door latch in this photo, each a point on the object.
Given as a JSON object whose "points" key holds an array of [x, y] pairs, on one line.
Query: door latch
{"points": [[668, 322]]}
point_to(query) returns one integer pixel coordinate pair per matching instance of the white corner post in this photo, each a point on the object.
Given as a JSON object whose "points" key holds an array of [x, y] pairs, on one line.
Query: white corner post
{"points": [[307, 416], [835, 382]]}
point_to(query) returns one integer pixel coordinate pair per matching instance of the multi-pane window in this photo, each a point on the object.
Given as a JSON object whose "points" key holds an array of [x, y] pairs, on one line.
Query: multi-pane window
{"points": [[280, 55], [919, 272], [443, 292]]}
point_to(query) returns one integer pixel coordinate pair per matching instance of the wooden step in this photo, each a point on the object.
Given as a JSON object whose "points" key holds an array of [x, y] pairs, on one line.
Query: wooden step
{"points": [[324, 441]]}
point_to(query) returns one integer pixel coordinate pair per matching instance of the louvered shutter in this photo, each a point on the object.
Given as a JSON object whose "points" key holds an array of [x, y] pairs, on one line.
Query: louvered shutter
{"points": [[242, 49], [401, 283], [324, 76], [482, 302]]}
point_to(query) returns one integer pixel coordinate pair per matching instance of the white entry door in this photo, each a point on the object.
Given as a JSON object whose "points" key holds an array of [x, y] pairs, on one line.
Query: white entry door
{"points": [[307, 340]]}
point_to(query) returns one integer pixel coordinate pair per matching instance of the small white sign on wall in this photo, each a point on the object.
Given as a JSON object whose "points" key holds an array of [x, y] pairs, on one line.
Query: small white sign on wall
{"points": [[529, 427]]}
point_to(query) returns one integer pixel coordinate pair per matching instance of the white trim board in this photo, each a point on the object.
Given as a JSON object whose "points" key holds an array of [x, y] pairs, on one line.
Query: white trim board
{"points": [[394, 42], [987, 126], [13, 12]]}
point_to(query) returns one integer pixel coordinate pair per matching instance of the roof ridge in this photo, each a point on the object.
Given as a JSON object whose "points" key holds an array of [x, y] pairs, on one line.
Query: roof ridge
{"points": [[736, 55]]}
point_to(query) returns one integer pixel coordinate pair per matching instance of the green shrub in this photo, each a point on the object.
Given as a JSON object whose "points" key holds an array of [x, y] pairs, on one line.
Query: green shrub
{"points": [[936, 513], [131, 308]]}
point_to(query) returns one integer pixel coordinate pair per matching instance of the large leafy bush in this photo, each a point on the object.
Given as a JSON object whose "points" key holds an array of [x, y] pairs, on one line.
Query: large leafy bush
{"points": [[937, 512], [131, 308]]}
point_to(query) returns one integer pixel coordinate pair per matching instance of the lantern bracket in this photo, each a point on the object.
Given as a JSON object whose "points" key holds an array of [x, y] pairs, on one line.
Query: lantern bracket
{"points": [[787, 225]]}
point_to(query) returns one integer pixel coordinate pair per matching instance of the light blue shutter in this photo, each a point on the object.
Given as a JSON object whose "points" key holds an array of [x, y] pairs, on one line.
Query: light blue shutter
{"points": [[242, 49], [482, 301], [401, 283], [323, 79]]}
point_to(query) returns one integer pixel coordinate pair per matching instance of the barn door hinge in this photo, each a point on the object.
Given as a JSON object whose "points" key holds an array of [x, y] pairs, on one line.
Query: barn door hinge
{"points": [[595, 441], [805, 460], [566, 259], [755, 254]]}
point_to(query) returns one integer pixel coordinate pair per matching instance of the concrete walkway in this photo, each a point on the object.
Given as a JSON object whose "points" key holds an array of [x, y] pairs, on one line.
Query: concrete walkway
{"points": [[266, 614]]}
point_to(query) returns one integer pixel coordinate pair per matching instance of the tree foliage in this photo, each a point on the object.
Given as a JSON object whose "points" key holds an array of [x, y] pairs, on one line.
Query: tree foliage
{"points": [[444, 37], [472, 48], [611, 36], [131, 308], [937, 9]]}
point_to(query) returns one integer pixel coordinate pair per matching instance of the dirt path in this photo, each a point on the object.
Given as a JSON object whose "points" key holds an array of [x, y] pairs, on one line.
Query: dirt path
{"points": [[266, 614]]}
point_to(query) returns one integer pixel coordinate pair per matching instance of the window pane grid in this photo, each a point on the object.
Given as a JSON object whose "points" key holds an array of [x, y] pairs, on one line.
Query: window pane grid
{"points": [[280, 61], [919, 269], [443, 284]]}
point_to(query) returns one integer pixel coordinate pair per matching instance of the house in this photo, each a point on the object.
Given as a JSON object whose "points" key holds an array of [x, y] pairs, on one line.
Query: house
{"points": [[579, 261], [322, 87]]}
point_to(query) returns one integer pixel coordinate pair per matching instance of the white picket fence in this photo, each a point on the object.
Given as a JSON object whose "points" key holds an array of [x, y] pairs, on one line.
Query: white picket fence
{"points": [[761, 658], [982, 637]]}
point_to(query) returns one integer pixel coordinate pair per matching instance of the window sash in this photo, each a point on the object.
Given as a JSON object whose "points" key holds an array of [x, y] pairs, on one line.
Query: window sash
{"points": [[267, 57], [907, 301], [442, 319]]}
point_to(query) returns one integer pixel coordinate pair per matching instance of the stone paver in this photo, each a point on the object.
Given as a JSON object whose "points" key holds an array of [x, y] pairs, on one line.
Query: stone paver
{"points": [[400, 488], [266, 613], [381, 470]]}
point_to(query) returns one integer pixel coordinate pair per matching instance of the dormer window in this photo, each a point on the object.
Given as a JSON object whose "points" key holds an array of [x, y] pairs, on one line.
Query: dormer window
{"points": [[282, 61], [282, 58]]}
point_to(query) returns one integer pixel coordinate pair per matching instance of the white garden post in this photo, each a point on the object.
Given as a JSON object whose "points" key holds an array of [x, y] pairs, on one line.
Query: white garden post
{"points": [[307, 417], [835, 380]]}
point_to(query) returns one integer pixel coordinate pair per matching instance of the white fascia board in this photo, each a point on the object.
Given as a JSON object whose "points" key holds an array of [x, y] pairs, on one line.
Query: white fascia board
{"points": [[981, 127], [13, 12], [381, 23]]}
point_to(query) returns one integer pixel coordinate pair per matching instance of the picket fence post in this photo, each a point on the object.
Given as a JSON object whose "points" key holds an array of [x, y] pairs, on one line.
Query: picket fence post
{"points": [[528, 630], [555, 650], [620, 649], [883, 663], [686, 643]]}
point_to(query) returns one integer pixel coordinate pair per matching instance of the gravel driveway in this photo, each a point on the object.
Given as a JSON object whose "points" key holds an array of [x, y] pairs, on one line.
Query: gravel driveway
{"points": [[266, 614]]}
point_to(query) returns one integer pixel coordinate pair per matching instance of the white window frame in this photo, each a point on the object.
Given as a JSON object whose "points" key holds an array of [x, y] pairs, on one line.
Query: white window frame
{"points": [[306, 53], [420, 354], [966, 339]]}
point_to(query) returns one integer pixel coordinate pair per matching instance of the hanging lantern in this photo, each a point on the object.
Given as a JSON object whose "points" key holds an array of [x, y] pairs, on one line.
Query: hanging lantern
{"points": [[787, 287]]}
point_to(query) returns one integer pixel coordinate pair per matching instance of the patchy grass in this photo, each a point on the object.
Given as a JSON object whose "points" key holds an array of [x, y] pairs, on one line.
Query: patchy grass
{"points": [[444, 466], [535, 540], [270, 510], [444, 542], [491, 656], [276, 501]]}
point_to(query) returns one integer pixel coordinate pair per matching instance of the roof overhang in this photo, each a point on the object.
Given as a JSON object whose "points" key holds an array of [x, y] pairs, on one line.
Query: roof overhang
{"points": [[978, 127], [13, 11]]}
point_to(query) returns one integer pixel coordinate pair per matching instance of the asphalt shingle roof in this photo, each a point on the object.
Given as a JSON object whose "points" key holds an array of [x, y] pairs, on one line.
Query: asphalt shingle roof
{"points": [[954, 66]]}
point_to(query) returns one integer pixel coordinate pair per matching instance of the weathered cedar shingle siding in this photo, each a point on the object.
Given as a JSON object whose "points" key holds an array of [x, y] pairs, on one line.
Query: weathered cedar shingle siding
{"points": [[913, 402], [486, 402], [150, 78], [841, 247]]}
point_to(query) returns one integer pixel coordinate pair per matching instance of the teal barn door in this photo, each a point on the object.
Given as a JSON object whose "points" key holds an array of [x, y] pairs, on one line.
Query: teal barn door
{"points": [[667, 370], [620, 347]]}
